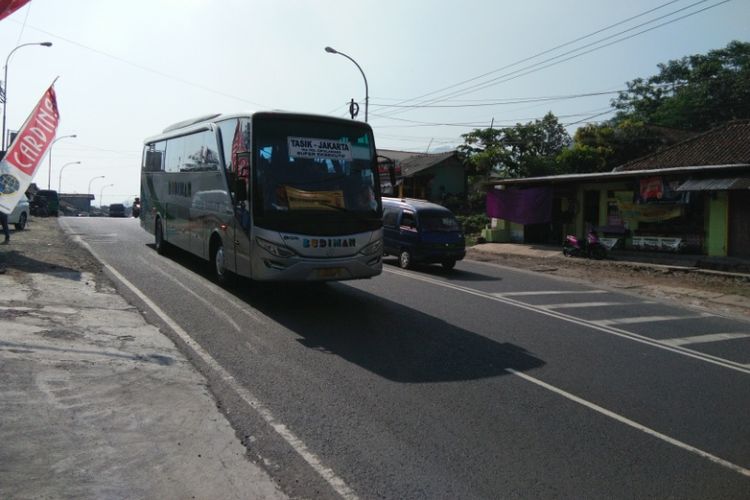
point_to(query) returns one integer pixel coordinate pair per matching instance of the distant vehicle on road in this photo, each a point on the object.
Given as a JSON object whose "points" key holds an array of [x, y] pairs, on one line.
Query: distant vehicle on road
{"points": [[137, 207], [45, 202], [420, 231], [117, 210], [20, 215]]}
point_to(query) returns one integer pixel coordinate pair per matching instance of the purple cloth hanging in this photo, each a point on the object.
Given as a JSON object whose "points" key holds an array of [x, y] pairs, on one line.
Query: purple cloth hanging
{"points": [[522, 206]]}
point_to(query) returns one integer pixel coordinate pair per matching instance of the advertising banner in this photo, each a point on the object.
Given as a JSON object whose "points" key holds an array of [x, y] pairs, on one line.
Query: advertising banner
{"points": [[652, 188], [649, 213], [22, 159], [8, 7]]}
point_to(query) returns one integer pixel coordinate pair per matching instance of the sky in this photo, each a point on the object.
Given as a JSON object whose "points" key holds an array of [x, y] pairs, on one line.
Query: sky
{"points": [[129, 69]]}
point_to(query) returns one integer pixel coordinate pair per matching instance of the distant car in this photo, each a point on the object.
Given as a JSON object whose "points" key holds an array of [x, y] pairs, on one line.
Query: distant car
{"points": [[46, 202], [20, 215], [117, 210]]}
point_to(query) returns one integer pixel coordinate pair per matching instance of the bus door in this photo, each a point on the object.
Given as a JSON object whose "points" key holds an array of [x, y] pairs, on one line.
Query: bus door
{"points": [[243, 224]]}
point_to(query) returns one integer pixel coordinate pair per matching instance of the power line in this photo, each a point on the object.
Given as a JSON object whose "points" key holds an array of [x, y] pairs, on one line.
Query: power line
{"points": [[475, 124], [502, 102], [540, 53], [146, 68], [535, 67], [542, 64]]}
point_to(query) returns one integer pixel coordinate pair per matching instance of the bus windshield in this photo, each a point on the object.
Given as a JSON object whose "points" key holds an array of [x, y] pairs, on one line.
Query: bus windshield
{"points": [[302, 166]]}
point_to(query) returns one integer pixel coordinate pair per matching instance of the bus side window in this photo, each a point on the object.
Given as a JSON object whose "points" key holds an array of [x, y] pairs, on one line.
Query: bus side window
{"points": [[153, 160]]}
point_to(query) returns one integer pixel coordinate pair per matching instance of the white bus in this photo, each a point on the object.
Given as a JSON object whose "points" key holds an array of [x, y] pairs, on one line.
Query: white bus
{"points": [[268, 195]]}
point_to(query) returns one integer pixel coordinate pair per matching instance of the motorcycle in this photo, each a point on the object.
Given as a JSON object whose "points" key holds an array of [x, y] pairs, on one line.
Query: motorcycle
{"points": [[590, 248], [137, 207]]}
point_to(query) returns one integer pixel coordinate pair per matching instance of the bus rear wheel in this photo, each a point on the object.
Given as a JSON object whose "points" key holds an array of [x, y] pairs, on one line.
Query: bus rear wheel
{"points": [[159, 243]]}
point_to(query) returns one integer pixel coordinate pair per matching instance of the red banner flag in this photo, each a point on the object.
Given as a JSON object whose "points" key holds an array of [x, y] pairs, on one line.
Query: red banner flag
{"points": [[25, 154], [8, 7]]}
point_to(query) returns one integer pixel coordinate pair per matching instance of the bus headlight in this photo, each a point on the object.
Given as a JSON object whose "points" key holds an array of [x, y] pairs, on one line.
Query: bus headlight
{"points": [[274, 249], [374, 248]]}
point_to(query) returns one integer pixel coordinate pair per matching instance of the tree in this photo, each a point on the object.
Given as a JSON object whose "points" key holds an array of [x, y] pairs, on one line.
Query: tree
{"points": [[695, 93], [525, 150], [602, 147]]}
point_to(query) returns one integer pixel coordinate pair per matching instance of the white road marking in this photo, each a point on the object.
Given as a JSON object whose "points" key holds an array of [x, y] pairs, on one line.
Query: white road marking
{"points": [[282, 430], [715, 360], [633, 424], [569, 305], [218, 291], [546, 292], [187, 289], [647, 319], [700, 339]]}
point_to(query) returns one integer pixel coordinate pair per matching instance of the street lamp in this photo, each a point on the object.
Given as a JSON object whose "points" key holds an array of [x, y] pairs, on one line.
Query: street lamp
{"points": [[101, 194], [331, 50], [59, 179], [92, 180], [5, 79], [49, 174]]}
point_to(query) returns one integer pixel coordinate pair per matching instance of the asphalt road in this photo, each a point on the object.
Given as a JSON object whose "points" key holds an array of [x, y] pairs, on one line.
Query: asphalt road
{"points": [[484, 382]]}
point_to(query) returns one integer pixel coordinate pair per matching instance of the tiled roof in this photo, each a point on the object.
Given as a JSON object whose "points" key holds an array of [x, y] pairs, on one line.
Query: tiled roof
{"points": [[417, 163], [725, 145]]}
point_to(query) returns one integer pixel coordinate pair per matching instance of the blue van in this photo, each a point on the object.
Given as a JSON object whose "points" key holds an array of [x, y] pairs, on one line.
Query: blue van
{"points": [[420, 231]]}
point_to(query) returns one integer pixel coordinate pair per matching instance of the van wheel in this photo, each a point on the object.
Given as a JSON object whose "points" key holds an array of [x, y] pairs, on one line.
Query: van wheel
{"points": [[449, 264], [159, 243], [21, 224], [404, 259]]}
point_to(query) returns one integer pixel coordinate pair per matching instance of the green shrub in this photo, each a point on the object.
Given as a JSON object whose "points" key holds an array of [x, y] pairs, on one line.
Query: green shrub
{"points": [[474, 223]]}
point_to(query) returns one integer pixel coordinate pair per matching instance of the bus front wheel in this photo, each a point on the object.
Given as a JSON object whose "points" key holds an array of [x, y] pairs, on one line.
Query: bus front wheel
{"points": [[218, 257]]}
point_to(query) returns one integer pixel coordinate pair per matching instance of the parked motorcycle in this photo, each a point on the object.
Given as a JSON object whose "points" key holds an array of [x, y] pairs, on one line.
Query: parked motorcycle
{"points": [[590, 248]]}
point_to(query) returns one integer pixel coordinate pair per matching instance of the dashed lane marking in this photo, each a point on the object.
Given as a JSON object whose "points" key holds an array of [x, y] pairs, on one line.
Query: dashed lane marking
{"points": [[647, 319], [700, 339], [547, 292], [570, 305], [707, 358]]}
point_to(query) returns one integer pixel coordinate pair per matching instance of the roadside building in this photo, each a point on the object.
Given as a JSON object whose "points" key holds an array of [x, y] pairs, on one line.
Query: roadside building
{"points": [[72, 204], [691, 197], [432, 176]]}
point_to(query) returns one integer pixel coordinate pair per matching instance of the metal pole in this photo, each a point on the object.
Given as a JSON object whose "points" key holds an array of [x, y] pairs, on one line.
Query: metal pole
{"points": [[101, 194], [59, 180], [367, 91], [5, 79], [92, 180], [49, 173]]}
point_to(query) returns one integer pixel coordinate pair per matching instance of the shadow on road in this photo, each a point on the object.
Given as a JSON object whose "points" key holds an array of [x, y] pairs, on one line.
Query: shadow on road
{"points": [[387, 338], [18, 261], [384, 337]]}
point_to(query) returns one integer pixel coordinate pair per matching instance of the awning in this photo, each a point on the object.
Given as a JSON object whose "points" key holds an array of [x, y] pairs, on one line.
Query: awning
{"points": [[715, 184]]}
